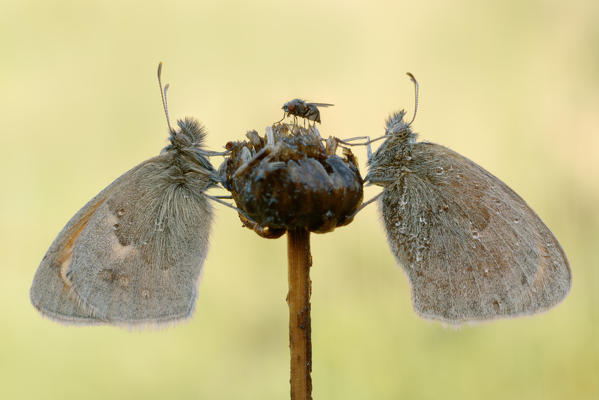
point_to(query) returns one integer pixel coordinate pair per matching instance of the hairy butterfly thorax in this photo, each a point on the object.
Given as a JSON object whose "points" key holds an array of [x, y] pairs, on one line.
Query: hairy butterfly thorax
{"points": [[188, 153], [395, 153]]}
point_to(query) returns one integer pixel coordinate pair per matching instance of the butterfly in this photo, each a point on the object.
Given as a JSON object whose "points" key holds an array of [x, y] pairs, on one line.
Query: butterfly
{"points": [[133, 254], [471, 247]]}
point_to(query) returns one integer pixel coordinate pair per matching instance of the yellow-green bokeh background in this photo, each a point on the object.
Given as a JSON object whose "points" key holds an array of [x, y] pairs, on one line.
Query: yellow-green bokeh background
{"points": [[513, 85]]}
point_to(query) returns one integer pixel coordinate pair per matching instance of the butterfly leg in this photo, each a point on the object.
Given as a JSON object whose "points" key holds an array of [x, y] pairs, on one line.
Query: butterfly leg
{"points": [[375, 198]]}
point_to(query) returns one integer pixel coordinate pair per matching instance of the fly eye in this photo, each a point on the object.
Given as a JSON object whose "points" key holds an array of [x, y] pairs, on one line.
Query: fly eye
{"points": [[290, 107]]}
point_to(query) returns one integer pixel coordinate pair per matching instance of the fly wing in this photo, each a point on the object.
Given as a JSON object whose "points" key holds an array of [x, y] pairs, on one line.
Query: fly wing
{"points": [[321, 104], [472, 248], [138, 257]]}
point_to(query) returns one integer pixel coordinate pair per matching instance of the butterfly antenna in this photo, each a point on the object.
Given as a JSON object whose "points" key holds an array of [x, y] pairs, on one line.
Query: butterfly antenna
{"points": [[163, 96], [415, 96]]}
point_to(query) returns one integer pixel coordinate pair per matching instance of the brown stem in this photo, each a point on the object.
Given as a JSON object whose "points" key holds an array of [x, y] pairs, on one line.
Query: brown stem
{"points": [[300, 344]]}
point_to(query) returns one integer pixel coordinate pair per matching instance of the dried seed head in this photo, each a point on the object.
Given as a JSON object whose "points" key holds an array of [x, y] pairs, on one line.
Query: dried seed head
{"points": [[292, 181]]}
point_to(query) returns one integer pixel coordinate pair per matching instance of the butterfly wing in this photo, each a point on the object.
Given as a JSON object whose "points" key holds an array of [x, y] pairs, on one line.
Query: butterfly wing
{"points": [[472, 248], [133, 254], [51, 291]]}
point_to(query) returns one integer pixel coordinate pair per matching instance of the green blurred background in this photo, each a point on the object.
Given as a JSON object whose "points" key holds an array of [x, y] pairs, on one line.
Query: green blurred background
{"points": [[512, 85]]}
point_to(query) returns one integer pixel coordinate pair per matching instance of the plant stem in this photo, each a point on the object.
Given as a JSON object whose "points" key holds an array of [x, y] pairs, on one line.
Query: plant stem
{"points": [[298, 299]]}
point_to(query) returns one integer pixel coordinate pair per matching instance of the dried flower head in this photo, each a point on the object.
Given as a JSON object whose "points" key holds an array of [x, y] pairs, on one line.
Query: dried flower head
{"points": [[289, 179]]}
